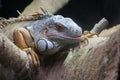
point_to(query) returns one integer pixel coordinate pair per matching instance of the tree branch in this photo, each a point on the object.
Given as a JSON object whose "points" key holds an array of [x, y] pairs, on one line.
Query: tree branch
{"points": [[49, 5], [101, 25], [99, 60], [13, 57]]}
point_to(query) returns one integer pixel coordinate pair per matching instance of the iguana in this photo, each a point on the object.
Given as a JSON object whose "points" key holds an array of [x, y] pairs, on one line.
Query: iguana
{"points": [[42, 34], [46, 34]]}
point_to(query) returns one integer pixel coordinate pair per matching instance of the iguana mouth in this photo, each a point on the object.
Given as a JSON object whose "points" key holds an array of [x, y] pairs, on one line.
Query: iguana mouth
{"points": [[63, 37]]}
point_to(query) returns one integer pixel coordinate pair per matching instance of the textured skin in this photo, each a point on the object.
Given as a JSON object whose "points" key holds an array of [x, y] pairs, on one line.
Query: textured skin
{"points": [[50, 33]]}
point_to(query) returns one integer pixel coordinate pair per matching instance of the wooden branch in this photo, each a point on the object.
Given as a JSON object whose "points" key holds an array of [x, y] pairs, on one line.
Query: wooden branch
{"points": [[100, 26], [99, 60], [51, 6], [11, 56]]}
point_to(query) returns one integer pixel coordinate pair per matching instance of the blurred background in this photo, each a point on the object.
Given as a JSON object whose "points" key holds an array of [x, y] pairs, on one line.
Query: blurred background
{"points": [[84, 12]]}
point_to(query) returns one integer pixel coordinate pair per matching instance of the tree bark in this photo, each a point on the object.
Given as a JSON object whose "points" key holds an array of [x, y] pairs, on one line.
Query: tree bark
{"points": [[98, 60], [51, 6], [14, 58]]}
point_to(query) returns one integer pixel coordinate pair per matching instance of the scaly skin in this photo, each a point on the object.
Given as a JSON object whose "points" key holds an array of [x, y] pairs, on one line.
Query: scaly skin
{"points": [[47, 35]]}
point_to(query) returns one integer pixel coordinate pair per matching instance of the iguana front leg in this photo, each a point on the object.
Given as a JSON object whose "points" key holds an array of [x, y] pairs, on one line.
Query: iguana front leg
{"points": [[89, 34], [24, 41]]}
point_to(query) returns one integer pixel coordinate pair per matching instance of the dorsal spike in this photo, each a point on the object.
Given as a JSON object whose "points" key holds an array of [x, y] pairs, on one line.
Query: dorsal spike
{"points": [[21, 15], [44, 11]]}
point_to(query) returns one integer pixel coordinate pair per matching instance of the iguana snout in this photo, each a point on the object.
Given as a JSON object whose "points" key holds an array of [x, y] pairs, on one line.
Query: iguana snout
{"points": [[64, 29]]}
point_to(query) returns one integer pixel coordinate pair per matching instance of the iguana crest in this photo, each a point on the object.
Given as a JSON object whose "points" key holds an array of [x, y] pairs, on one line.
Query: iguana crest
{"points": [[4, 22]]}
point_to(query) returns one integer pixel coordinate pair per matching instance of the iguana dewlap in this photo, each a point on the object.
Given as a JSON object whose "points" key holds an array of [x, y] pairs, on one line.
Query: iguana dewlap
{"points": [[46, 35]]}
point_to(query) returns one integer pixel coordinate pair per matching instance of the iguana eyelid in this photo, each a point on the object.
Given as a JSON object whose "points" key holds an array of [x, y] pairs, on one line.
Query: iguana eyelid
{"points": [[59, 27]]}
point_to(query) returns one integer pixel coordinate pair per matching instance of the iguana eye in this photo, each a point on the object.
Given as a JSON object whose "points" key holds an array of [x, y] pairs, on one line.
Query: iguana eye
{"points": [[59, 27]]}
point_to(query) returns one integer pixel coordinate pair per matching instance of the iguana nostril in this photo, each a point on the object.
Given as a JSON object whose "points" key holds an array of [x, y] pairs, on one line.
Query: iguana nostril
{"points": [[76, 31]]}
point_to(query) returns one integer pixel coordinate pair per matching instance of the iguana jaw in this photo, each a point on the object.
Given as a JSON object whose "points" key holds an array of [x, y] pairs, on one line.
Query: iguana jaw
{"points": [[64, 38]]}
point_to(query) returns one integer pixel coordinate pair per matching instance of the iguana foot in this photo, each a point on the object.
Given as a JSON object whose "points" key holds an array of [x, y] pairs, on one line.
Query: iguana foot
{"points": [[23, 40], [34, 56], [89, 34], [86, 35]]}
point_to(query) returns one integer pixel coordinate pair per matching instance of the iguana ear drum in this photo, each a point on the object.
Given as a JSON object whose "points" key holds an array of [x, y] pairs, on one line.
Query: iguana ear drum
{"points": [[44, 45]]}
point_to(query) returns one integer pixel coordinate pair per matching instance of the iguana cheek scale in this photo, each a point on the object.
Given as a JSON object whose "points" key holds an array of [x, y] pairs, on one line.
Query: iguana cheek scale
{"points": [[44, 45]]}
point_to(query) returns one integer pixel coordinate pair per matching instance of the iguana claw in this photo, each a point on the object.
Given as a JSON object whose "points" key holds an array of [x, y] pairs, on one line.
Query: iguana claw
{"points": [[86, 35], [34, 56], [23, 40]]}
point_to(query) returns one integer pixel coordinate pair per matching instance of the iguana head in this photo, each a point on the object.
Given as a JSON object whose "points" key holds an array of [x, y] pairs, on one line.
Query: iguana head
{"points": [[54, 32], [64, 30]]}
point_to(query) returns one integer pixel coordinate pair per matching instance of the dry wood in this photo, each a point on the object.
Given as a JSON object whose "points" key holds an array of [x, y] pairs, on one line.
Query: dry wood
{"points": [[51, 6], [13, 57], [99, 60]]}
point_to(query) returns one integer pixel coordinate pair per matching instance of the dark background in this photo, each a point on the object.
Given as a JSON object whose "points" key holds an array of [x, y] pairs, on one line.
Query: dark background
{"points": [[84, 12], [88, 12]]}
